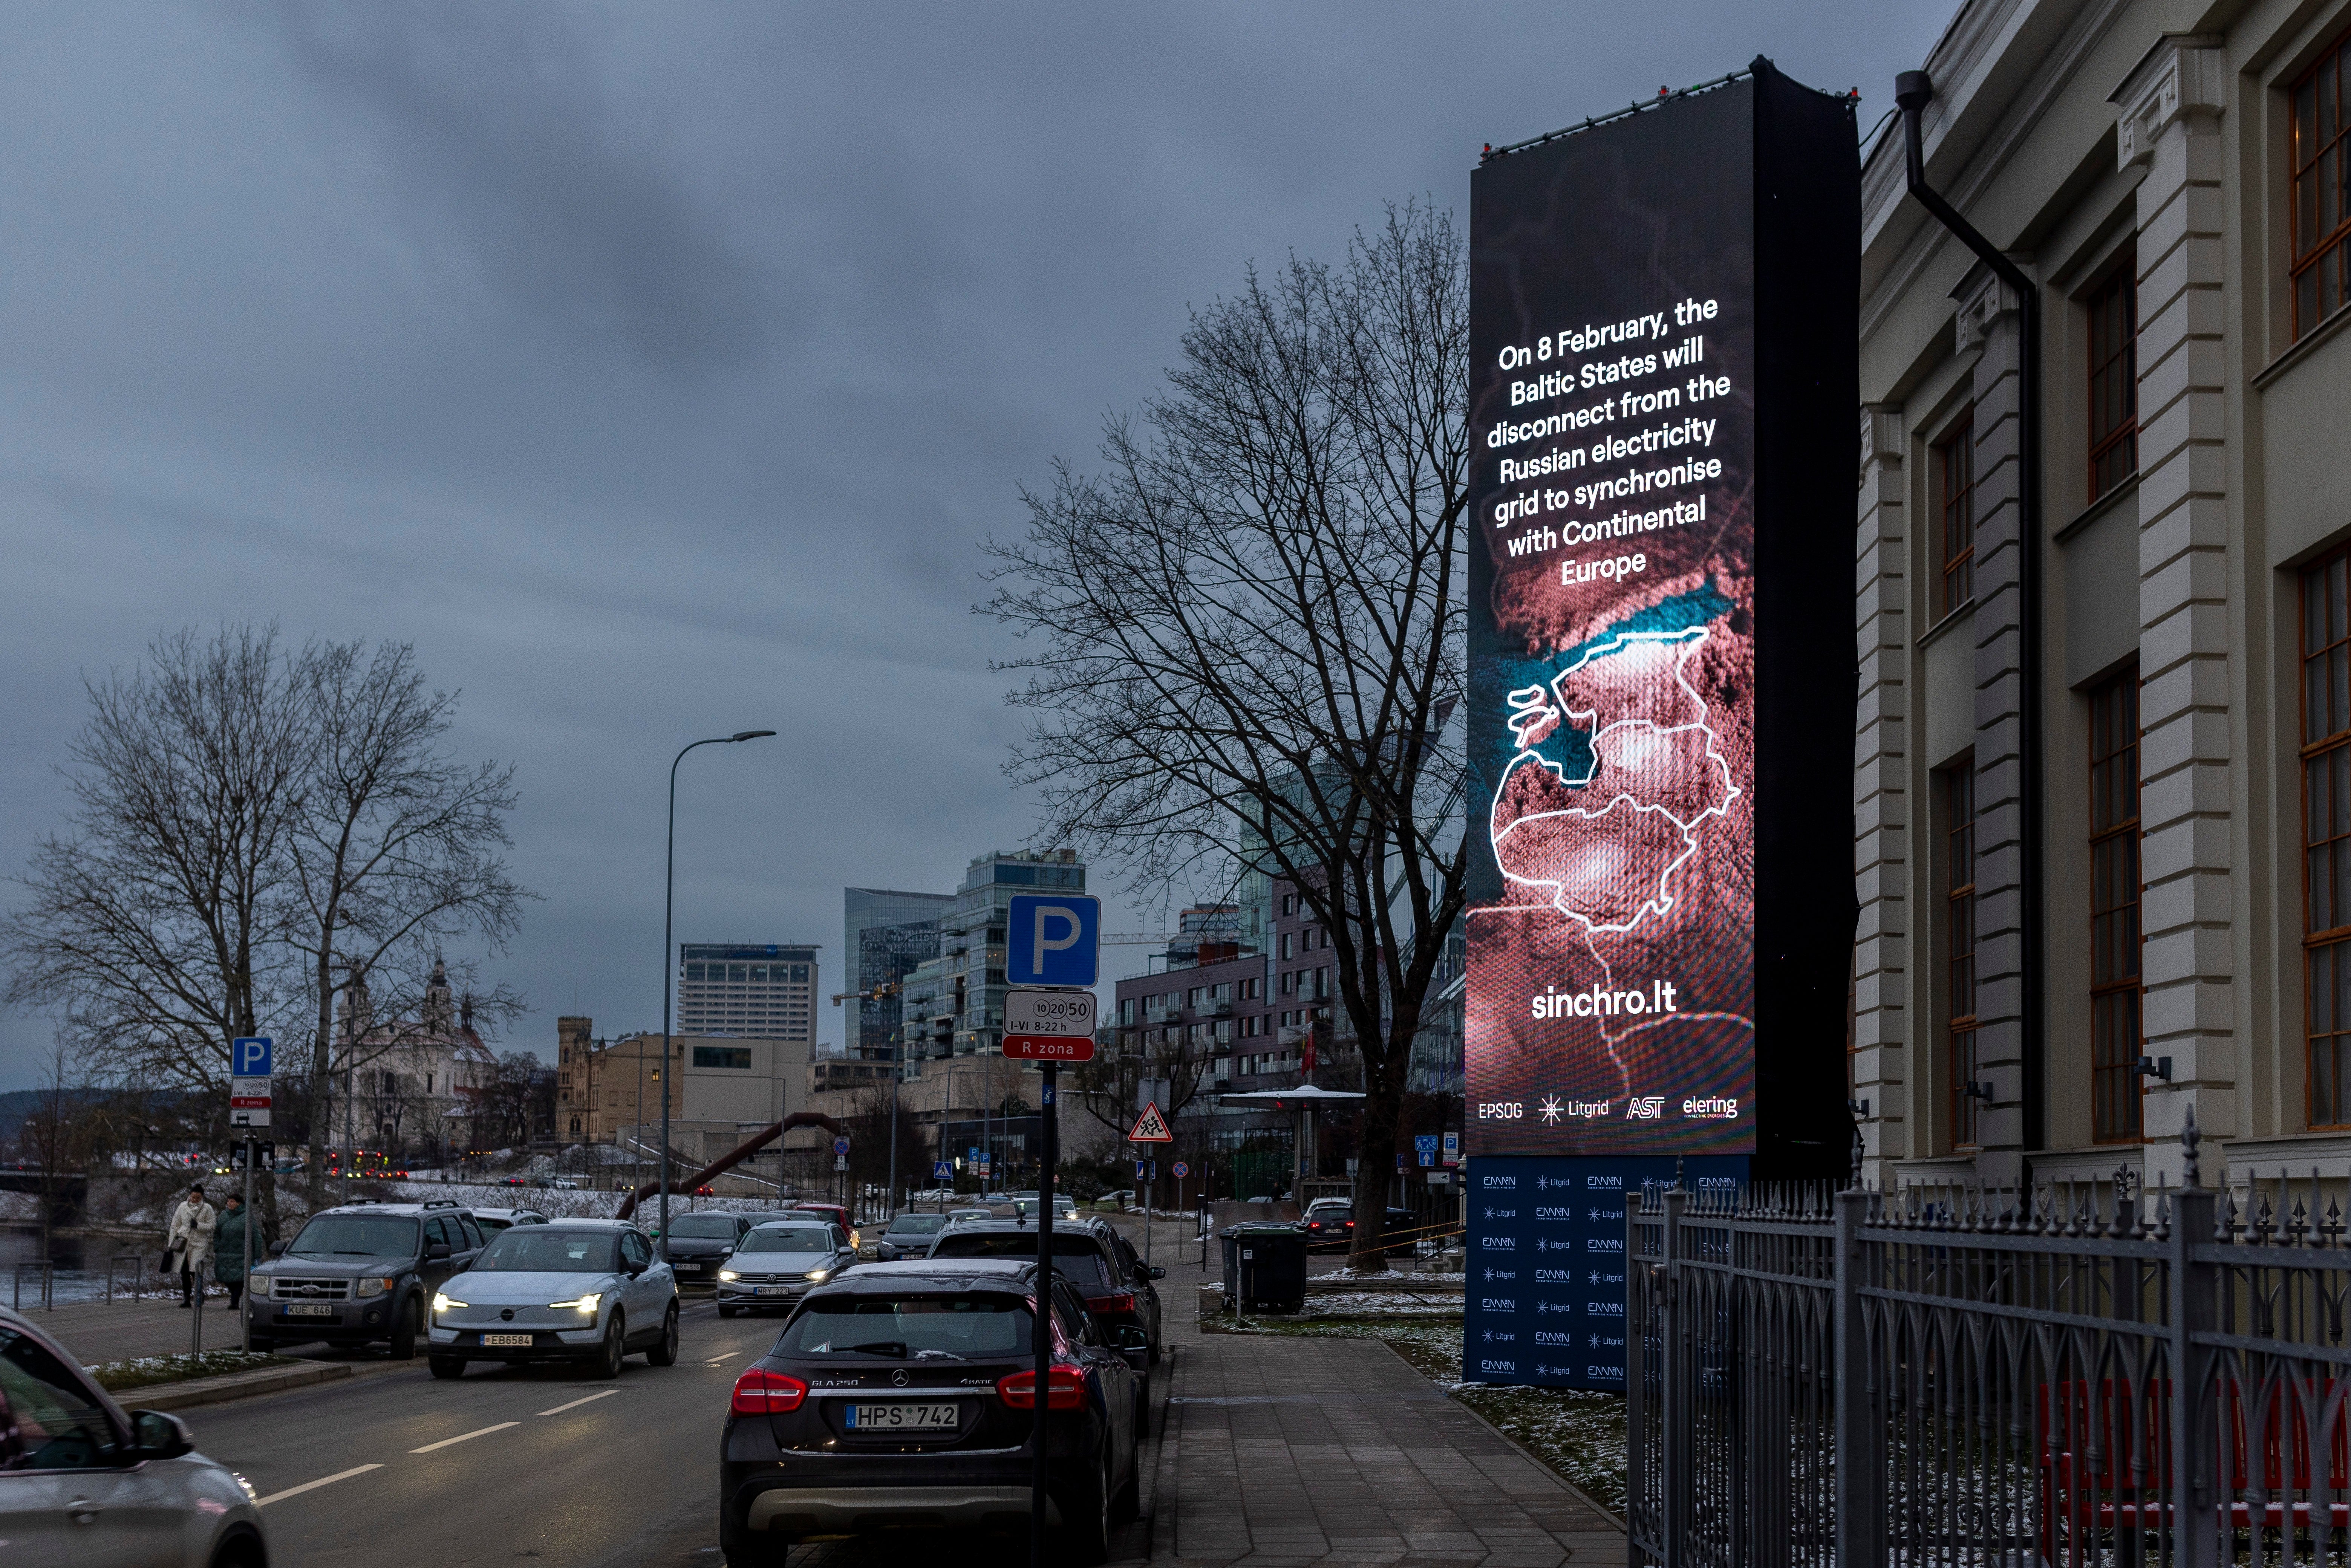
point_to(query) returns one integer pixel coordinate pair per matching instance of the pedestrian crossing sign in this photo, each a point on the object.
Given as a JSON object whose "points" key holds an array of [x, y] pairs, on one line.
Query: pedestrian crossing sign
{"points": [[1150, 1127]]}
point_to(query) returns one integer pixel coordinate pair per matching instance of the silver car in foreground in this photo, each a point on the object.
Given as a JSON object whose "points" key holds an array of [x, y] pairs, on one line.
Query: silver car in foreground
{"points": [[571, 1289], [81, 1481]]}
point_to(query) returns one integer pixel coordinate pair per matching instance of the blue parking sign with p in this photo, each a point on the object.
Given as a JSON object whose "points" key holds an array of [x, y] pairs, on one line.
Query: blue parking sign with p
{"points": [[249, 1057], [1053, 939]]}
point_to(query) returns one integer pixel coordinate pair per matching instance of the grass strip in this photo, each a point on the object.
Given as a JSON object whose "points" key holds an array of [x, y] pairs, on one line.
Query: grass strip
{"points": [[146, 1371]]}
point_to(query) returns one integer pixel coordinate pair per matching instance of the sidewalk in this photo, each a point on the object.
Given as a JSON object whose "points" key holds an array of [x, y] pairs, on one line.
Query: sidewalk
{"points": [[1279, 1450]]}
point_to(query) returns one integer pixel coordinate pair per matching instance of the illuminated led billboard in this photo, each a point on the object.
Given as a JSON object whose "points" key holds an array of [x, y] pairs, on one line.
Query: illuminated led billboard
{"points": [[1660, 648]]}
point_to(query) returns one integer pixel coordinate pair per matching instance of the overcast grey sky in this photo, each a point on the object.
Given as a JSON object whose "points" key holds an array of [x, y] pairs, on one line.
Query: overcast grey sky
{"points": [[655, 369]]}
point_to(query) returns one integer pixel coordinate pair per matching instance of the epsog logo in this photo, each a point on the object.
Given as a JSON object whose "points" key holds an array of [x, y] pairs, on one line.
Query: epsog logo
{"points": [[1500, 1183]]}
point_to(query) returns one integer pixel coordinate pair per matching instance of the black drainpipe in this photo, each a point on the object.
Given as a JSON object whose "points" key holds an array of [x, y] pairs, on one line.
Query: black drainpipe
{"points": [[1912, 92]]}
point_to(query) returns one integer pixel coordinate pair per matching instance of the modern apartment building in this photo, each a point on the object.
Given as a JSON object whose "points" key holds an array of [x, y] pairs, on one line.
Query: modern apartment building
{"points": [[746, 988], [885, 935], [954, 1002], [2104, 828]]}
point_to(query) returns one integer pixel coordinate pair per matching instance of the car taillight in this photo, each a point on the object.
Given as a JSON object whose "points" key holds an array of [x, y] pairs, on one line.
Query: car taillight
{"points": [[1065, 1389], [759, 1392], [1351, 1225], [1116, 1301]]}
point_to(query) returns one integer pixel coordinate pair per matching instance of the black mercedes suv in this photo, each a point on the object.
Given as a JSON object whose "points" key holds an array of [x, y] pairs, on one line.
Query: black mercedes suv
{"points": [[904, 1395], [361, 1274]]}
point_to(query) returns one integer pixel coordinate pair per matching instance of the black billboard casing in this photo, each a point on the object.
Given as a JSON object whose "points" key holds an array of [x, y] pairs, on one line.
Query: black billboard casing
{"points": [[1664, 380]]}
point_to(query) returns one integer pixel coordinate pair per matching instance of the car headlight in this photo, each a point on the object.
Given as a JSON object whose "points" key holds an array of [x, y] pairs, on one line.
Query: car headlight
{"points": [[586, 1303], [817, 1276], [442, 1304], [728, 1274], [374, 1287], [245, 1486]]}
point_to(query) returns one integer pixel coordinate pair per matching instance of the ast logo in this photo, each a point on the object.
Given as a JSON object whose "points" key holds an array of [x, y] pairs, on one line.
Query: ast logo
{"points": [[1645, 1107]]}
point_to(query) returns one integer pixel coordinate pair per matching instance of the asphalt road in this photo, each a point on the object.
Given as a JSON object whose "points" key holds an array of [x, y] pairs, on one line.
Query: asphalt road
{"points": [[510, 1464]]}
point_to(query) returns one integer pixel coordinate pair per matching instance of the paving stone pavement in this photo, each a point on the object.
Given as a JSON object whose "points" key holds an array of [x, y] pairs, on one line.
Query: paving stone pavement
{"points": [[1282, 1451]]}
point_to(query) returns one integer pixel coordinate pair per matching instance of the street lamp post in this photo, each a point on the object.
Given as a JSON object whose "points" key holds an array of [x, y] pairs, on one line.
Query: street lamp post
{"points": [[669, 906]]}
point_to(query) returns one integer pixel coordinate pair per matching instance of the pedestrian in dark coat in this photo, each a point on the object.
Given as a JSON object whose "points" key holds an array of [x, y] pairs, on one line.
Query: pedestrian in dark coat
{"points": [[228, 1249]]}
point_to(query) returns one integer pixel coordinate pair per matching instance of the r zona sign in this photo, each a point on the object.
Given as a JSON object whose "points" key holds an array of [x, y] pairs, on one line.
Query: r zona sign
{"points": [[1049, 1026]]}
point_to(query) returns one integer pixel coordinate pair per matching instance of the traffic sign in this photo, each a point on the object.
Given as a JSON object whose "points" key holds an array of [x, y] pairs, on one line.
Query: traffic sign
{"points": [[1452, 1148], [1182, 1170], [1425, 1146], [1138, 1171], [942, 1171], [1049, 1026], [1053, 939], [1150, 1127], [841, 1161], [248, 1101], [249, 1057], [841, 1145]]}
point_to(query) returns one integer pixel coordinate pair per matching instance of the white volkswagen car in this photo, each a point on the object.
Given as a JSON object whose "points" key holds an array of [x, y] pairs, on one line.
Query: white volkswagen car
{"points": [[572, 1290], [81, 1481]]}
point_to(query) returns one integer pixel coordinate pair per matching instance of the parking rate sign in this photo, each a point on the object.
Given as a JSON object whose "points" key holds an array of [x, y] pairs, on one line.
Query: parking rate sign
{"points": [[1053, 939]]}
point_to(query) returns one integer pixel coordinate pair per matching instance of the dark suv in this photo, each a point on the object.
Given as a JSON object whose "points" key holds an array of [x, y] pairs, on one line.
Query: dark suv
{"points": [[904, 1394], [698, 1243], [1116, 1284], [361, 1274]]}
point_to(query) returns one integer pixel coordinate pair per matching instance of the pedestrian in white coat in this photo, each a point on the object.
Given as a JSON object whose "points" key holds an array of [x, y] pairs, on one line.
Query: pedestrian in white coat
{"points": [[188, 1246]]}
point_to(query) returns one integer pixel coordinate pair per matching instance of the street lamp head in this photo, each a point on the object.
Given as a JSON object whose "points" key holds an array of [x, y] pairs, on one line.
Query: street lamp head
{"points": [[749, 735]]}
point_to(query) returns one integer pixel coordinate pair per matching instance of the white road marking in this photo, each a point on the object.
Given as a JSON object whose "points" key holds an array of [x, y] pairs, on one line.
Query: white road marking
{"points": [[574, 1405], [714, 1361], [468, 1437], [313, 1486]]}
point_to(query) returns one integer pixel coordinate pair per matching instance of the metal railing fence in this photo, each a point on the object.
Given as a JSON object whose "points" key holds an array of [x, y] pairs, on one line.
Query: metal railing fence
{"points": [[2015, 1379]]}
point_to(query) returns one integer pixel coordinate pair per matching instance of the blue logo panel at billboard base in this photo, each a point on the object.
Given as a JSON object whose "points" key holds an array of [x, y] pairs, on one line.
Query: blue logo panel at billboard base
{"points": [[1546, 1263]]}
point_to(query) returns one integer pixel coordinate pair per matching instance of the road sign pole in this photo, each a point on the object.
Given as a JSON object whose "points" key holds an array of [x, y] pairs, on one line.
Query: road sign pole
{"points": [[1044, 1335], [244, 1318]]}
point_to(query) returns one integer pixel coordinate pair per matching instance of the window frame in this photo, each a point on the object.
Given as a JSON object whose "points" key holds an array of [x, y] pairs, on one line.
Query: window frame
{"points": [[1955, 568], [2120, 287], [2116, 836], [1958, 835], [2327, 947], [2304, 161]]}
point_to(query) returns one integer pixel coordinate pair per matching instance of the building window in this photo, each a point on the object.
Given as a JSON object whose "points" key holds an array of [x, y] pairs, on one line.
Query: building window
{"points": [[1959, 947], [2322, 261], [2114, 383], [733, 1056], [2116, 991], [2326, 833], [1955, 461]]}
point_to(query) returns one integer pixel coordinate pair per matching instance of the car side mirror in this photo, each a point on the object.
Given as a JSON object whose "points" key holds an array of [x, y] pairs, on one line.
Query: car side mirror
{"points": [[1158, 1273], [434, 1250], [157, 1434]]}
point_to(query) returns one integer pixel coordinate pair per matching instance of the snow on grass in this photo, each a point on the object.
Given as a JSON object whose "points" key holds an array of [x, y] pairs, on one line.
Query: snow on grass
{"points": [[146, 1371]]}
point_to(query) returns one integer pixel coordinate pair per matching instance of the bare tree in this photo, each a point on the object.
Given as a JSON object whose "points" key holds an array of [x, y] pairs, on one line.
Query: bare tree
{"points": [[1250, 626], [153, 927], [395, 853]]}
